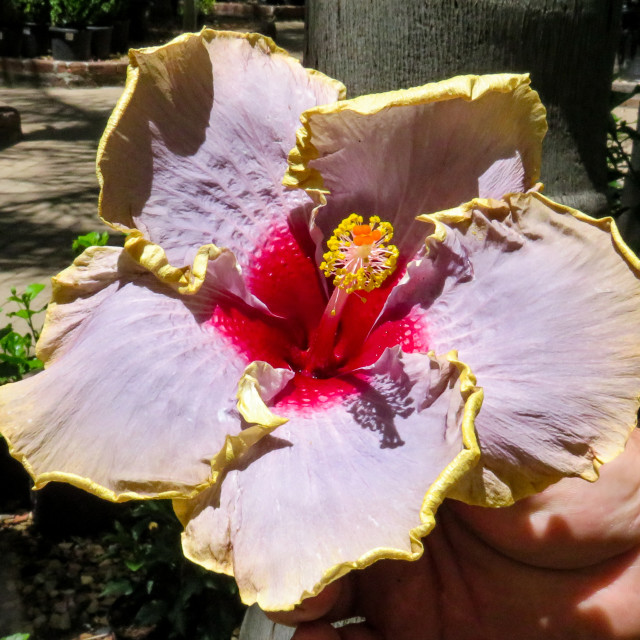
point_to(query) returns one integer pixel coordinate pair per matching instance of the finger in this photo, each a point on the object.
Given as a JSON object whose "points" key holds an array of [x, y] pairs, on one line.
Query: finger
{"points": [[511, 599], [402, 600], [359, 632], [572, 523], [315, 631], [332, 603], [324, 631]]}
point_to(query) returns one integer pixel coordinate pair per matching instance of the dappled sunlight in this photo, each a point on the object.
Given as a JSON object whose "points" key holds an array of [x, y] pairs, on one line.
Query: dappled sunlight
{"points": [[47, 180]]}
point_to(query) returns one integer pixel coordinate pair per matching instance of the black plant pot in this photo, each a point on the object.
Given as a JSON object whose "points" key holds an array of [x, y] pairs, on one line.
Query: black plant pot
{"points": [[10, 42], [120, 36], [70, 44], [35, 40], [100, 42]]}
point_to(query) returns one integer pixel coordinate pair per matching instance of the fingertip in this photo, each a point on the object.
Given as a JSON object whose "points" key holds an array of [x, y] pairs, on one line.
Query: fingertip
{"points": [[324, 631], [315, 631]]}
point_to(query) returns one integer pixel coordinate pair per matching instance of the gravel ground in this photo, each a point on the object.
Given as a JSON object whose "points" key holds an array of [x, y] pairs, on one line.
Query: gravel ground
{"points": [[54, 588]]}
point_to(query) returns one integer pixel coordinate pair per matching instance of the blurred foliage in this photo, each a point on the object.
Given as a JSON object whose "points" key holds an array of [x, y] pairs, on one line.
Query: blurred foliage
{"points": [[32, 10], [205, 6], [621, 138], [80, 13], [164, 591], [17, 350]]}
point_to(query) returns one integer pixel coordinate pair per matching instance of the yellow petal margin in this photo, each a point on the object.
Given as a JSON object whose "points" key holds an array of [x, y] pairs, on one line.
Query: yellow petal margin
{"points": [[185, 280], [465, 461], [252, 408], [255, 412], [476, 487], [472, 396], [72, 284], [301, 175], [188, 279], [499, 209]]}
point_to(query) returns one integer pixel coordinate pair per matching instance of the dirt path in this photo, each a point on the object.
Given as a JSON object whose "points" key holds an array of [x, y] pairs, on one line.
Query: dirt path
{"points": [[48, 186]]}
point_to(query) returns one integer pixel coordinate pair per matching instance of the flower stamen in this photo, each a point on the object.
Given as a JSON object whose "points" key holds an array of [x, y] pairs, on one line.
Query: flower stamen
{"points": [[359, 256]]}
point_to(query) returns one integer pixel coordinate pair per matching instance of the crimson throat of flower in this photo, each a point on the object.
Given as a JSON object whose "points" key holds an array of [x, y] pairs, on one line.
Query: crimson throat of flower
{"points": [[359, 258]]}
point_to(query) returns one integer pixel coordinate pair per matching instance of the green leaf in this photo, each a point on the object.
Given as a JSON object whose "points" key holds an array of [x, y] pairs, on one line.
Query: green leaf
{"points": [[151, 613], [134, 565], [91, 239], [25, 314], [35, 363], [33, 290], [122, 587]]}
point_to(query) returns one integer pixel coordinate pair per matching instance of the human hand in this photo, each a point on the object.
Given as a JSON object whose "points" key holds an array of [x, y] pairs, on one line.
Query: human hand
{"points": [[562, 564]]}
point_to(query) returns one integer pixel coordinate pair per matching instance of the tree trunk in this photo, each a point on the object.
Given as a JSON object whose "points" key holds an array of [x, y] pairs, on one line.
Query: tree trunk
{"points": [[567, 45]]}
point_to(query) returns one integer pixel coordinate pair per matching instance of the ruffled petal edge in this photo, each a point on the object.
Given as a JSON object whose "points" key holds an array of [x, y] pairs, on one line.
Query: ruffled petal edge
{"points": [[471, 87], [498, 209], [86, 484], [252, 407], [187, 279], [514, 488], [472, 397], [258, 383]]}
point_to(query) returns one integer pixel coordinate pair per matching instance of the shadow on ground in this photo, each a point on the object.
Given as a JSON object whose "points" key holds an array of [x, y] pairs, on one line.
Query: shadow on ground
{"points": [[48, 187]]}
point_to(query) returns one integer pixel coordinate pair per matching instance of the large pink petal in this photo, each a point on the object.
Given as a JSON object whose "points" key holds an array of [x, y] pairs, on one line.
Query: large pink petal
{"points": [[196, 148], [339, 486], [139, 393], [547, 314], [405, 153]]}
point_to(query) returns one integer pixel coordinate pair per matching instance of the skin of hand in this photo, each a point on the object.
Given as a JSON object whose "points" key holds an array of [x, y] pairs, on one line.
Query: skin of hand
{"points": [[563, 564]]}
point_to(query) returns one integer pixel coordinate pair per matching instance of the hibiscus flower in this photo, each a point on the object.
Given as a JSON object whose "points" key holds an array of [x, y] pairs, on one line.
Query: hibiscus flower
{"points": [[295, 341]]}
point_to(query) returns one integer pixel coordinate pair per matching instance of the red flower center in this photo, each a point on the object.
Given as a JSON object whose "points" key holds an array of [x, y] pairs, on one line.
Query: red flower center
{"points": [[285, 277]]}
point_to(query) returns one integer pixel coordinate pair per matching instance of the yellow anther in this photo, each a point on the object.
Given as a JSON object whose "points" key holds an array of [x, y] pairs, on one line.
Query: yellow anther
{"points": [[360, 257]]}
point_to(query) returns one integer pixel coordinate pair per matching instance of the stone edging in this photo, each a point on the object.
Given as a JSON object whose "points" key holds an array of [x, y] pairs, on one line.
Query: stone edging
{"points": [[46, 72]]}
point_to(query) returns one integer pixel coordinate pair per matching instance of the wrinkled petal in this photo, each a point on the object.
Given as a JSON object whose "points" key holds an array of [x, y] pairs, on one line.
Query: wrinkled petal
{"points": [[337, 489], [197, 145], [547, 315], [139, 394], [405, 153]]}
